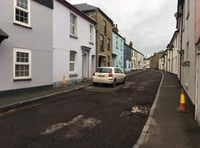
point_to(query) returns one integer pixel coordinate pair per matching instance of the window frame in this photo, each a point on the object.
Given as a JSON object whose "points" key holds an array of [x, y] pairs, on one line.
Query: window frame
{"points": [[28, 10], [73, 25], [91, 33], [117, 44], [101, 42], [15, 62], [108, 43], [72, 62], [104, 26]]}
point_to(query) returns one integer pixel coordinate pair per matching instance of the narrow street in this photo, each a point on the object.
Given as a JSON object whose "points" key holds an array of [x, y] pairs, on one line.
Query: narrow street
{"points": [[95, 117]]}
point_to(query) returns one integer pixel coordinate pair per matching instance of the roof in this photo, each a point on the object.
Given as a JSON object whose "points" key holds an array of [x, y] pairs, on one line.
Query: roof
{"points": [[170, 45], [3, 35], [86, 8], [47, 3], [77, 11]]}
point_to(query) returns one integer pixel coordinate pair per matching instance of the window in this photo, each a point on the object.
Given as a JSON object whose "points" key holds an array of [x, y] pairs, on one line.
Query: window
{"points": [[108, 60], [73, 25], [22, 12], [104, 27], [108, 44], [104, 70], [91, 33], [117, 42], [22, 64], [121, 45], [101, 42], [72, 64]]}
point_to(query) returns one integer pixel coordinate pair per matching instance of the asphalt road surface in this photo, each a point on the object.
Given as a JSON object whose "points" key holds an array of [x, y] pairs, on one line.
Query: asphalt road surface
{"points": [[95, 117]]}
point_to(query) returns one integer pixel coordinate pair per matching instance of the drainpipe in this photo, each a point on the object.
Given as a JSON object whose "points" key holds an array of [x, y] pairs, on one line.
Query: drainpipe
{"points": [[181, 46]]}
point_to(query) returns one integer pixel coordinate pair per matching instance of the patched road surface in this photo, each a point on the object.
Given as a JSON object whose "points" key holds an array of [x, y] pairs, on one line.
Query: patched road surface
{"points": [[94, 117]]}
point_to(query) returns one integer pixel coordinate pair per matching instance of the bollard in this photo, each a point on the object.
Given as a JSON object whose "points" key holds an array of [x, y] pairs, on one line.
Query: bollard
{"points": [[64, 81]]}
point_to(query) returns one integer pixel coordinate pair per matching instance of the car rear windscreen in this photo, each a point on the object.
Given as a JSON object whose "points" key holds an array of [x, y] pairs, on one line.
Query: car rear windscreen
{"points": [[104, 70]]}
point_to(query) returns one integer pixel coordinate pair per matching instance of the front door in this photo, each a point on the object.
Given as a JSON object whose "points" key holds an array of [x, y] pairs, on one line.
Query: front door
{"points": [[85, 63]]}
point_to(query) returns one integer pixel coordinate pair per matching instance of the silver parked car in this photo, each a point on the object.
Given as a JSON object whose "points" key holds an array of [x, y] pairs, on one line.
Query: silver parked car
{"points": [[109, 75]]}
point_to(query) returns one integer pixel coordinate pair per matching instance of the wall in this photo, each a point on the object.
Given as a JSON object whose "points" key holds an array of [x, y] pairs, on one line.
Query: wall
{"points": [[99, 19], [197, 22], [197, 41], [188, 72], [38, 40], [118, 50], [63, 43]]}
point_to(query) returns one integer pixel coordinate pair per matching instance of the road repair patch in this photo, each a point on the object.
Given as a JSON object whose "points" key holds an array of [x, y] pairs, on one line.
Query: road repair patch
{"points": [[135, 110], [73, 128]]}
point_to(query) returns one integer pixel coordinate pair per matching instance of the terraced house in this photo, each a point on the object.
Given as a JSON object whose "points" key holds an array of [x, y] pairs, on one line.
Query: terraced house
{"points": [[103, 33], [74, 44], [185, 42], [26, 51], [117, 49]]}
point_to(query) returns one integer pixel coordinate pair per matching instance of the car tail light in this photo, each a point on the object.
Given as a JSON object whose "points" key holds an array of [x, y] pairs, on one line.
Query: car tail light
{"points": [[110, 74]]}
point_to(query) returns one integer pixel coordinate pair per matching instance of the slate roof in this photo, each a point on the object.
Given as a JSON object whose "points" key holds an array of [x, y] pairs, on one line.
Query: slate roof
{"points": [[86, 8], [75, 10]]}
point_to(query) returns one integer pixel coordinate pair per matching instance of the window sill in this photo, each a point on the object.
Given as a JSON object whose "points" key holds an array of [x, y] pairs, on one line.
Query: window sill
{"points": [[25, 26], [91, 43], [74, 37], [73, 75], [23, 79]]}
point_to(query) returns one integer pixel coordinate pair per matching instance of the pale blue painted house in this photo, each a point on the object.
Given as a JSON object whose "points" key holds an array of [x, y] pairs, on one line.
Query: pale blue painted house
{"points": [[117, 49]]}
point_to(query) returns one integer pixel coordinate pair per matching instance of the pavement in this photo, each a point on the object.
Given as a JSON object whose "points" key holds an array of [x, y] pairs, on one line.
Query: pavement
{"points": [[166, 127], [16, 99]]}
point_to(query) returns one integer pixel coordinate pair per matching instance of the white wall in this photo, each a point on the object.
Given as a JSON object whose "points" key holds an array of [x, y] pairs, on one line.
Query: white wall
{"points": [[188, 72], [37, 39], [63, 43]]}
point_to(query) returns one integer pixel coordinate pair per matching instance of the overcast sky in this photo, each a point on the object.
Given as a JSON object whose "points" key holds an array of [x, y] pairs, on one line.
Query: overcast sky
{"points": [[149, 24]]}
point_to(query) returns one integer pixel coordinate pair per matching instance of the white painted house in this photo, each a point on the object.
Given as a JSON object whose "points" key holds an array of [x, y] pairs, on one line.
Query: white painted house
{"points": [[74, 44], [26, 52], [173, 55]]}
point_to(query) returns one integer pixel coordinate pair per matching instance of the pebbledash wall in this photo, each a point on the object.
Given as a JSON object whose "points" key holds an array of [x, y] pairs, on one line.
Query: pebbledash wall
{"points": [[81, 44], [37, 39]]}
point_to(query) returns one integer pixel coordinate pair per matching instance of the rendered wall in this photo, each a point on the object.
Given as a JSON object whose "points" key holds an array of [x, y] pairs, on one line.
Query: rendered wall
{"points": [[38, 40]]}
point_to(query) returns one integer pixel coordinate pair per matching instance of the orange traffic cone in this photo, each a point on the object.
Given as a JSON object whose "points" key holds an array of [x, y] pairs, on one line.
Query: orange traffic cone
{"points": [[182, 105]]}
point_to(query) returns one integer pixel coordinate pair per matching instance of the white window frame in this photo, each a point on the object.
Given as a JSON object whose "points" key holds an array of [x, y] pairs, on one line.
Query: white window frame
{"points": [[73, 25], [72, 62], [25, 10], [15, 62], [91, 33]]}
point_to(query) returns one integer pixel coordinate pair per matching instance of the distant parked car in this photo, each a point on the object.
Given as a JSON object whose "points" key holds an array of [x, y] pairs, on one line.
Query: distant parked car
{"points": [[109, 75]]}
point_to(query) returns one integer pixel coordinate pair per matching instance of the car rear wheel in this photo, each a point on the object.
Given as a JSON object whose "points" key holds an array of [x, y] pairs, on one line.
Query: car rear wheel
{"points": [[94, 83], [114, 83], [124, 80]]}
